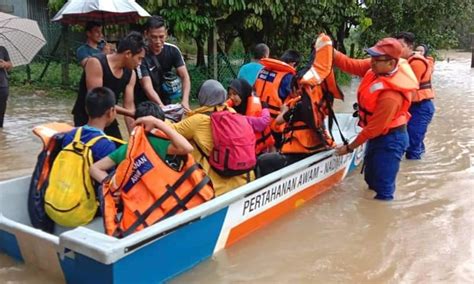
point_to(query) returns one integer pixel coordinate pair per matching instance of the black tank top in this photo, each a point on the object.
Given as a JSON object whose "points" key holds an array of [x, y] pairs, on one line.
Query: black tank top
{"points": [[117, 85]]}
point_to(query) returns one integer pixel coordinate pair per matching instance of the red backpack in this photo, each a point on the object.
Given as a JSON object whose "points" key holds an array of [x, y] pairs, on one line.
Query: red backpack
{"points": [[234, 144]]}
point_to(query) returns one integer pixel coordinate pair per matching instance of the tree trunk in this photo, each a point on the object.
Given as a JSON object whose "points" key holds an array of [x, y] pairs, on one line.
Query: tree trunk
{"points": [[341, 35], [352, 51], [472, 50], [210, 54], [200, 60]]}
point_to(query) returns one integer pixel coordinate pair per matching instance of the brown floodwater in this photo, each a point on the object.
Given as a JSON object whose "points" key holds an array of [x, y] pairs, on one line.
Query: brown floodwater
{"points": [[425, 236]]}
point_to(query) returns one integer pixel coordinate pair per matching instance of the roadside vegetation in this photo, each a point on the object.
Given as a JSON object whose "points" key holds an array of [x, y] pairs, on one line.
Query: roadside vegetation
{"points": [[237, 25]]}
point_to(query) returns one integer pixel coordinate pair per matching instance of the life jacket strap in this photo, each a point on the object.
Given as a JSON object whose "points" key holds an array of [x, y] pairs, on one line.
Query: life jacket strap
{"points": [[294, 128], [188, 197], [264, 137], [169, 192], [425, 85]]}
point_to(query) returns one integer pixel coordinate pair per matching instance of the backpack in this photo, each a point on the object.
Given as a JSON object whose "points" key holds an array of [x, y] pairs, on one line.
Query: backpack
{"points": [[171, 86], [52, 135], [233, 153], [39, 183], [167, 83], [70, 198]]}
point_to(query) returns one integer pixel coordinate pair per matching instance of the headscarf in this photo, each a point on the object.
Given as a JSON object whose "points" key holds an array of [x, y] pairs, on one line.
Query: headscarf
{"points": [[244, 91], [426, 49], [211, 93]]}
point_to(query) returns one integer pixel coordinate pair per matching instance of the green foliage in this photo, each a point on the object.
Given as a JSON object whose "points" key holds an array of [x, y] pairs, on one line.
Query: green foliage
{"points": [[55, 5], [284, 24], [434, 22], [52, 79]]}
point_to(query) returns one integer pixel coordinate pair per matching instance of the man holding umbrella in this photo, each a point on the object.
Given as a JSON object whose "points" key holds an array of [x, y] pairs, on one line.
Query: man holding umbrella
{"points": [[20, 40], [114, 71], [94, 44]]}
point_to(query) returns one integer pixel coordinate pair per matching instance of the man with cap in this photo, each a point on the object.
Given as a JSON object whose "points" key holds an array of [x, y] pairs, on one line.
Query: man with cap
{"points": [[384, 96], [422, 108]]}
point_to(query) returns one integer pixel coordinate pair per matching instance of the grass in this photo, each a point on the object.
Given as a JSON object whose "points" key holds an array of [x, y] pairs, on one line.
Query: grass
{"points": [[51, 83]]}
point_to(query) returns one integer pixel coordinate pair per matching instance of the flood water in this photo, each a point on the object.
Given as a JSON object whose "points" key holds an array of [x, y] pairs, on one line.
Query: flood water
{"points": [[425, 236]]}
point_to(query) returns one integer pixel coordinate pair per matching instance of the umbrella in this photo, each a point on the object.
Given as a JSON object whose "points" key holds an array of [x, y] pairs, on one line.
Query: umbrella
{"points": [[21, 37], [103, 11]]}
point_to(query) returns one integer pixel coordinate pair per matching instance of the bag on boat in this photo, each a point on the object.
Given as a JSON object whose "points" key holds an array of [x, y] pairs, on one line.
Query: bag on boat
{"points": [[150, 189], [70, 198], [51, 134], [233, 153], [39, 182]]}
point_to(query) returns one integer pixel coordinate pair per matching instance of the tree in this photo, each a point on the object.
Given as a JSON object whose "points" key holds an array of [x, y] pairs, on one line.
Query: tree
{"points": [[433, 21]]}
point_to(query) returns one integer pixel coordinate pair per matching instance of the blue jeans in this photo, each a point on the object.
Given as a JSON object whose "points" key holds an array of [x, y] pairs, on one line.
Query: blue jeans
{"points": [[421, 115], [382, 162]]}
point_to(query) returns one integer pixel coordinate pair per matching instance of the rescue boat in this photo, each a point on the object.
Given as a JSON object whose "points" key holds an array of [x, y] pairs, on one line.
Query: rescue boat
{"points": [[156, 254]]}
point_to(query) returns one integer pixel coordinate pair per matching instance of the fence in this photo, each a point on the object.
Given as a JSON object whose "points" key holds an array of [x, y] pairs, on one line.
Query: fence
{"points": [[35, 74]]}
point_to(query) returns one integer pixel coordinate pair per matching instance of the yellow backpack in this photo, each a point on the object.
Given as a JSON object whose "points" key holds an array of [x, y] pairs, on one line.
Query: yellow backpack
{"points": [[70, 198]]}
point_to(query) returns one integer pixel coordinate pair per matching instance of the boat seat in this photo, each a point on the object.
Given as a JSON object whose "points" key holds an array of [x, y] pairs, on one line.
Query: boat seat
{"points": [[96, 225]]}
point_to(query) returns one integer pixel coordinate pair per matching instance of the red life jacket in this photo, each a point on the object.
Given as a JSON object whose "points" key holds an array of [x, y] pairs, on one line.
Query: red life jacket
{"points": [[425, 92], [403, 81], [150, 189], [268, 83]]}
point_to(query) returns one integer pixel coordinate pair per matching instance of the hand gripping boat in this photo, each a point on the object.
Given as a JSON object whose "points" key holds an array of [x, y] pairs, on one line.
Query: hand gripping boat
{"points": [[170, 247]]}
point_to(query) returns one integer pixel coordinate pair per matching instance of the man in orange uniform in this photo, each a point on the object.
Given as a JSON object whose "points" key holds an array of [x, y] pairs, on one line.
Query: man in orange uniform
{"points": [[384, 97], [422, 108]]}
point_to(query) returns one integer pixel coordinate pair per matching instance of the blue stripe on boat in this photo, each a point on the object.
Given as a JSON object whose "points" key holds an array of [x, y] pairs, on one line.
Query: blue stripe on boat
{"points": [[9, 245], [82, 269], [155, 262]]}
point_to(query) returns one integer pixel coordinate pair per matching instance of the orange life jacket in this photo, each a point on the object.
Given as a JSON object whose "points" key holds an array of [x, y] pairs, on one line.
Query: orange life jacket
{"points": [[264, 139], [425, 92], [403, 81], [268, 83], [150, 189], [301, 137], [318, 88], [431, 60], [322, 61]]}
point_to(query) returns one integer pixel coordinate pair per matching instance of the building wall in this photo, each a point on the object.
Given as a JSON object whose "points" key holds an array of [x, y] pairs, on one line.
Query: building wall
{"points": [[16, 7]]}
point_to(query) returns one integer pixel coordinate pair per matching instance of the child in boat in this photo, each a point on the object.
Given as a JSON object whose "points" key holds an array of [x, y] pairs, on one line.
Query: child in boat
{"points": [[196, 127], [148, 185], [257, 113], [100, 106], [300, 141], [70, 197], [176, 145]]}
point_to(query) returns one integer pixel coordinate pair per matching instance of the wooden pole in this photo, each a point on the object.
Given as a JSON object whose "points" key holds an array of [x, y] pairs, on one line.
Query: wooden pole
{"points": [[214, 51], [472, 50], [65, 63]]}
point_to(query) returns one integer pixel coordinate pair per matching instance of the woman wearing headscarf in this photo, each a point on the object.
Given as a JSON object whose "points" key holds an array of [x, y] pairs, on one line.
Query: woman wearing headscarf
{"points": [[196, 127], [258, 115]]}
